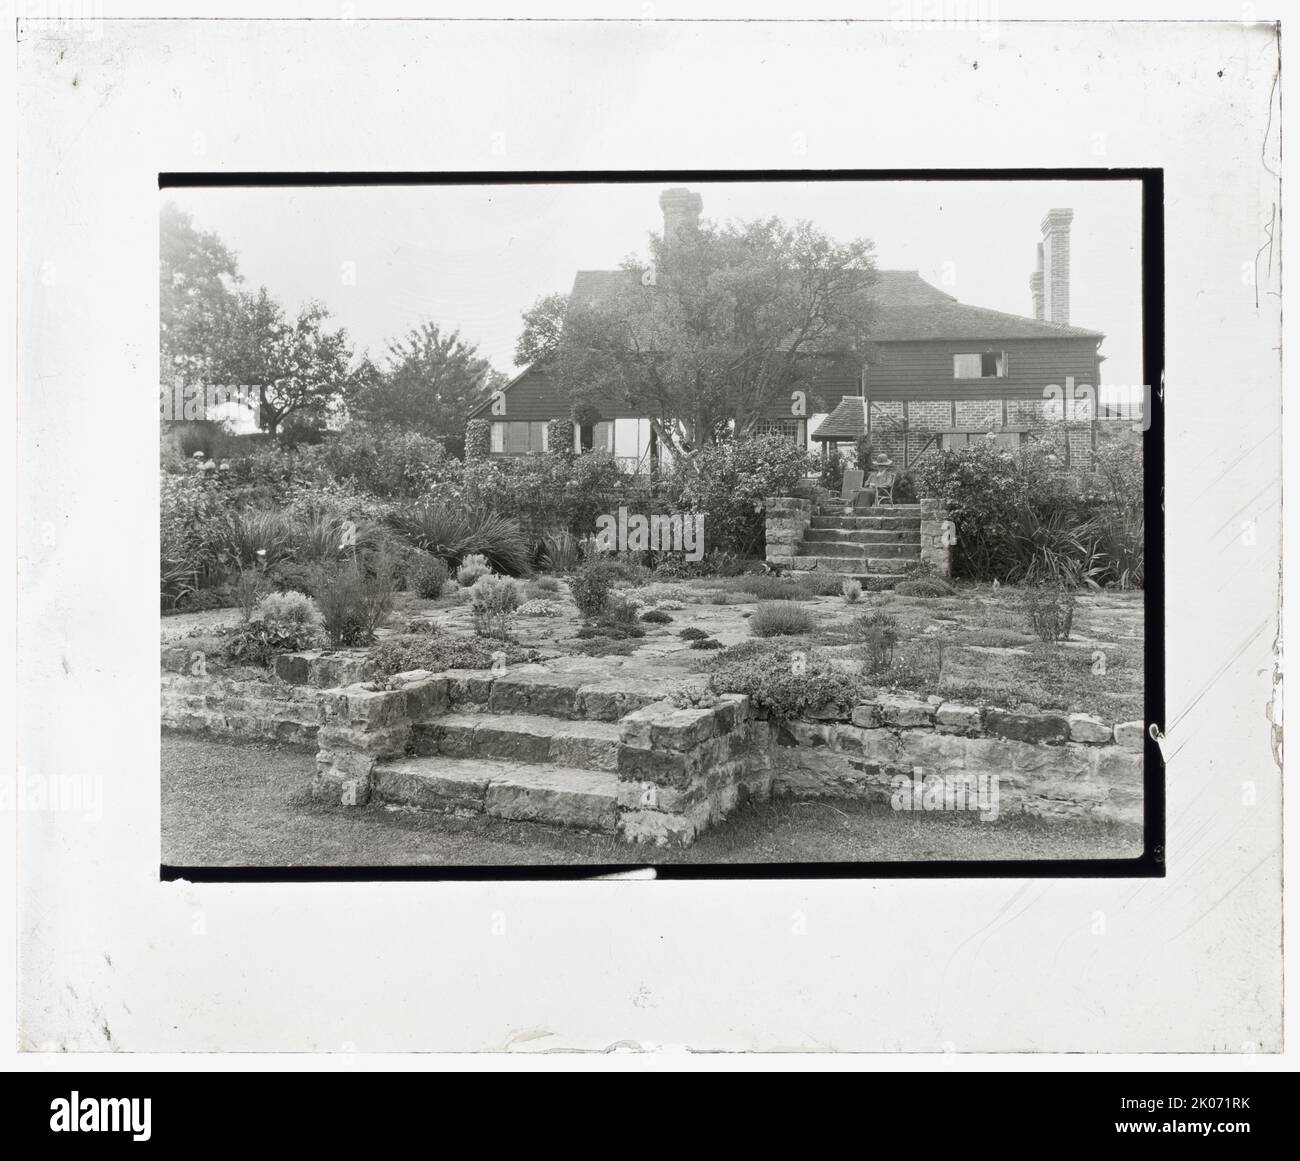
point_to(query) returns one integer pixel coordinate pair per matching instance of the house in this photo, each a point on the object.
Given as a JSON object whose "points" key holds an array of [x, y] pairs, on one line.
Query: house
{"points": [[935, 373]]}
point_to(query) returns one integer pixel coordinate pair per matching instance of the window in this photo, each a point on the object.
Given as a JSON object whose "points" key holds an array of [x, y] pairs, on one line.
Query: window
{"points": [[516, 437], [786, 428], [988, 365]]}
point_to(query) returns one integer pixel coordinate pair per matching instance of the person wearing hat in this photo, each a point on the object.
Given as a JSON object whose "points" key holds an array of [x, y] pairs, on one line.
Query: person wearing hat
{"points": [[879, 484]]}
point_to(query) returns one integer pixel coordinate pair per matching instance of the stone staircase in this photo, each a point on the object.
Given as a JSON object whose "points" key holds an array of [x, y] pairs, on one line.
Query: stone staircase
{"points": [[875, 546], [527, 747]]}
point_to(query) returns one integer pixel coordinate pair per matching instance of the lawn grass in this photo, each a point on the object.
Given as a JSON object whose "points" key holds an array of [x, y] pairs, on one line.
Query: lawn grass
{"points": [[247, 804]]}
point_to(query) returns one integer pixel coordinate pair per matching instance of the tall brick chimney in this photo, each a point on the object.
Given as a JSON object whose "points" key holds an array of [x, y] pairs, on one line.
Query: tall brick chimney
{"points": [[1056, 266], [681, 210], [1036, 285]]}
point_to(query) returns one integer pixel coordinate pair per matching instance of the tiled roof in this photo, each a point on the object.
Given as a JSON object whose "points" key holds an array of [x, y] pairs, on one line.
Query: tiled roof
{"points": [[847, 421], [907, 309]]}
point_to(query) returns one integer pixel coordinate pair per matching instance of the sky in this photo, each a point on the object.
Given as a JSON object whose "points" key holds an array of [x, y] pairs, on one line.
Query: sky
{"points": [[473, 258]]}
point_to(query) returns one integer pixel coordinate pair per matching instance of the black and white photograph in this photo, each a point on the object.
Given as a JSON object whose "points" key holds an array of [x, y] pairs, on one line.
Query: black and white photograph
{"points": [[736, 522], [689, 539]]}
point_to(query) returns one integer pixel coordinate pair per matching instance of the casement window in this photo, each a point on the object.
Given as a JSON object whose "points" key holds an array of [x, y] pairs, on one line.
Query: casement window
{"points": [[788, 429], [515, 437], [985, 365]]}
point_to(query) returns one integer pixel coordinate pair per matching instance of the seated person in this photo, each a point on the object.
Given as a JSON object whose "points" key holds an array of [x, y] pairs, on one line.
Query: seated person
{"points": [[880, 483]]}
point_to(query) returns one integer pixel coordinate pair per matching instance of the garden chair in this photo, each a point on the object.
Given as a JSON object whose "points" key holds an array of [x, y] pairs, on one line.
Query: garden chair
{"points": [[851, 484]]}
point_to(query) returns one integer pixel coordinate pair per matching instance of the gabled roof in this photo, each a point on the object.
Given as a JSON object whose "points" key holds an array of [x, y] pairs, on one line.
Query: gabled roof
{"points": [[908, 309], [848, 421]]}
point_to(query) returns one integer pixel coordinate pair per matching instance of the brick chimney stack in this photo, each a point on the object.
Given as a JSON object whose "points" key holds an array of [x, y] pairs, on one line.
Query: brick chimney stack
{"points": [[1036, 285], [681, 210], [1056, 266]]}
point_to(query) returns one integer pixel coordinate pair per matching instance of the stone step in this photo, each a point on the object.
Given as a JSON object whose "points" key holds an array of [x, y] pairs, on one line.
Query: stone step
{"points": [[586, 745], [522, 791], [870, 581], [858, 565], [867, 523], [881, 510], [864, 535], [588, 696], [857, 550]]}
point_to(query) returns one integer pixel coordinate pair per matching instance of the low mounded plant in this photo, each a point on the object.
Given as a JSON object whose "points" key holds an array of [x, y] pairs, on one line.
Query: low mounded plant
{"points": [[707, 643], [820, 584], [493, 600], [289, 608], [405, 652], [428, 576], [259, 641], [852, 591], [924, 586], [471, 568], [543, 584], [786, 683], [780, 619], [691, 633], [656, 617], [591, 586]]}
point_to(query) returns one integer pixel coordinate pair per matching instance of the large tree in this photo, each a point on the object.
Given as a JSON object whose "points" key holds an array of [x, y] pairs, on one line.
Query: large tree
{"points": [[298, 366], [723, 323], [429, 383], [198, 279], [543, 326]]}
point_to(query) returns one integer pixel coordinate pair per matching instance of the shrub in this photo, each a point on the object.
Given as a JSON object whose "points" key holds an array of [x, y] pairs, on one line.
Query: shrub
{"points": [[201, 600], [258, 642], [729, 481], [257, 539], [591, 586], [924, 586], [289, 609], [404, 652], [1049, 609], [779, 619], [353, 605], [656, 617], [472, 568], [453, 534], [428, 576], [820, 584], [768, 588], [1051, 547], [852, 591], [784, 683], [542, 585], [621, 610], [494, 599], [879, 633], [706, 643], [691, 633], [383, 459], [248, 588], [560, 551]]}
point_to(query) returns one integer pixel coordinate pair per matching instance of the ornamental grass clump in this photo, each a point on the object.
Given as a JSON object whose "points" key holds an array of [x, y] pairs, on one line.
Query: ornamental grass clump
{"points": [[780, 619]]}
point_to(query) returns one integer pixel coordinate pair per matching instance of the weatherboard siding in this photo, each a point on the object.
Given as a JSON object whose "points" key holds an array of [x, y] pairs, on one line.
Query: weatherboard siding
{"points": [[924, 370]]}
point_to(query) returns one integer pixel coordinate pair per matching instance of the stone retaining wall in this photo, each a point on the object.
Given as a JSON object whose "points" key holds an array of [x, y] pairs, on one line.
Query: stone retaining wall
{"points": [[683, 770], [225, 707], [787, 517], [1050, 764], [937, 536]]}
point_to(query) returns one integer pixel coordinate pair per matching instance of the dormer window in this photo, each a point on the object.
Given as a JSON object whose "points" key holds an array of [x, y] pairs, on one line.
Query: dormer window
{"points": [[986, 365]]}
